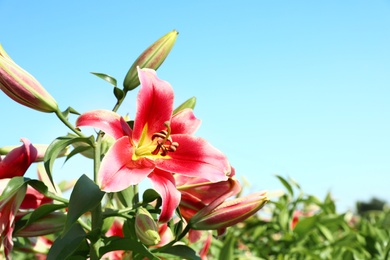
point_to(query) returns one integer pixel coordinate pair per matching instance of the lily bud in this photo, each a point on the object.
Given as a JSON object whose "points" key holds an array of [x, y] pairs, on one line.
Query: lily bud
{"points": [[22, 87], [229, 212], [49, 224], [146, 228], [151, 58]]}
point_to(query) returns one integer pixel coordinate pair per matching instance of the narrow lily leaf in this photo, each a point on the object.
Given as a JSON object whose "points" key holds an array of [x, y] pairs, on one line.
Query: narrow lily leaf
{"points": [[65, 246], [85, 196], [13, 186], [189, 103], [118, 243], [126, 196], [57, 146], [325, 232], [77, 150], [105, 77], [39, 186], [68, 111], [38, 213], [184, 252], [227, 251], [286, 185], [305, 225]]}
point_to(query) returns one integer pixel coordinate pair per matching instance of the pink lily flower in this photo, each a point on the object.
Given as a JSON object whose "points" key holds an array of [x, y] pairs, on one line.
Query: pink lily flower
{"points": [[17, 161], [159, 144], [9, 205]]}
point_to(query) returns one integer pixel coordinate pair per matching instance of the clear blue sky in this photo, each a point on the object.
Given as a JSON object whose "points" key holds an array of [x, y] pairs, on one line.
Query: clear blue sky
{"points": [[295, 88]]}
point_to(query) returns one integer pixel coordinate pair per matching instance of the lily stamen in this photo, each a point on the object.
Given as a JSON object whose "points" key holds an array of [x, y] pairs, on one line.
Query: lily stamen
{"points": [[166, 145]]}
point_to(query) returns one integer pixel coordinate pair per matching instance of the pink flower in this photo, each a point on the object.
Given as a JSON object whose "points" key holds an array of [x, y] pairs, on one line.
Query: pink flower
{"points": [[9, 205], [17, 161], [159, 144]]}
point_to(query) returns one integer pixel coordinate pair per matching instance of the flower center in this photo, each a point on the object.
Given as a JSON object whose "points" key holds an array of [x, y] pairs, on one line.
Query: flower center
{"points": [[164, 142], [160, 144]]}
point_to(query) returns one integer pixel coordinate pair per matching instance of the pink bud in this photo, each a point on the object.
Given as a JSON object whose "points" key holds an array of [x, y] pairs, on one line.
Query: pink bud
{"points": [[23, 88], [49, 224], [229, 212]]}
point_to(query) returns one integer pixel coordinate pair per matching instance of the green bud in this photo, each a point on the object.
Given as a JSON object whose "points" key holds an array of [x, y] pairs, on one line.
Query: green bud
{"points": [[146, 228], [151, 58]]}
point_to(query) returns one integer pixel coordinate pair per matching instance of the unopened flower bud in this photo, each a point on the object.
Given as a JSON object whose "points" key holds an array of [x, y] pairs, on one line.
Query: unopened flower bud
{"points": [[22, 87], [49, 224], [146, 228], [229, 212], [151, 58]]}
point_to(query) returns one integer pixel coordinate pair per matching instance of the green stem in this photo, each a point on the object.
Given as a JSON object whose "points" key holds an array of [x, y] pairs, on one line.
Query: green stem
{"points": [[57, 198], [97, 223], [96, 213], [67, 123], [119, 102]]}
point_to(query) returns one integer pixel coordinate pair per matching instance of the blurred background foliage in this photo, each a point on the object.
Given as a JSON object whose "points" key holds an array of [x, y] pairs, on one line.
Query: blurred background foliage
{"points": [[296, 225]]}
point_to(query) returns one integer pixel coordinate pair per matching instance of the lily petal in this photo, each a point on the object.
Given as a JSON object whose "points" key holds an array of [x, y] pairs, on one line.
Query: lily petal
{"points": [[154, 104], [16, 162], [198, 159], [109, 122], [117, 172], [185, 122], [164, 184]]}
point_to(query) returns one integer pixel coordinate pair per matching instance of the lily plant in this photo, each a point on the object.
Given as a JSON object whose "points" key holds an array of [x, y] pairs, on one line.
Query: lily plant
{"points": [[107, 216]]}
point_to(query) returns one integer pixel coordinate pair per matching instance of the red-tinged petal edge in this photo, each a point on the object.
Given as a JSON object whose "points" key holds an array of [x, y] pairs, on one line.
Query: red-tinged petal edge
{"points": [[109, 122], [154, 104], [164, 184], [118, 171], [195, 157]]}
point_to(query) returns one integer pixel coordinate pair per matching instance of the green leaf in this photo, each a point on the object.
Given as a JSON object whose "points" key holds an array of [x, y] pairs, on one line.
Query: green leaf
{"points": [[64, 247], [127, 196], [106, 77], [38, 213], [189, 103], [119, 94], [149, 196], [183, 251], [77, 150], [227, 251], [57, 146], [305, 225], [118, 243], [13, 186], [85, 196], [68, 111], [325, 232], [286, 184]]}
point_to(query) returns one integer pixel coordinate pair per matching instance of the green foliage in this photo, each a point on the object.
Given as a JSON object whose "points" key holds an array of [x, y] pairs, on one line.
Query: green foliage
{"points": [[296, 225]]}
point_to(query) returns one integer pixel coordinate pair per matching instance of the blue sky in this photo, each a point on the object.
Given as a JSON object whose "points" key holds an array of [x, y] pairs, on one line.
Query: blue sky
{"points": [[295, 88]]}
